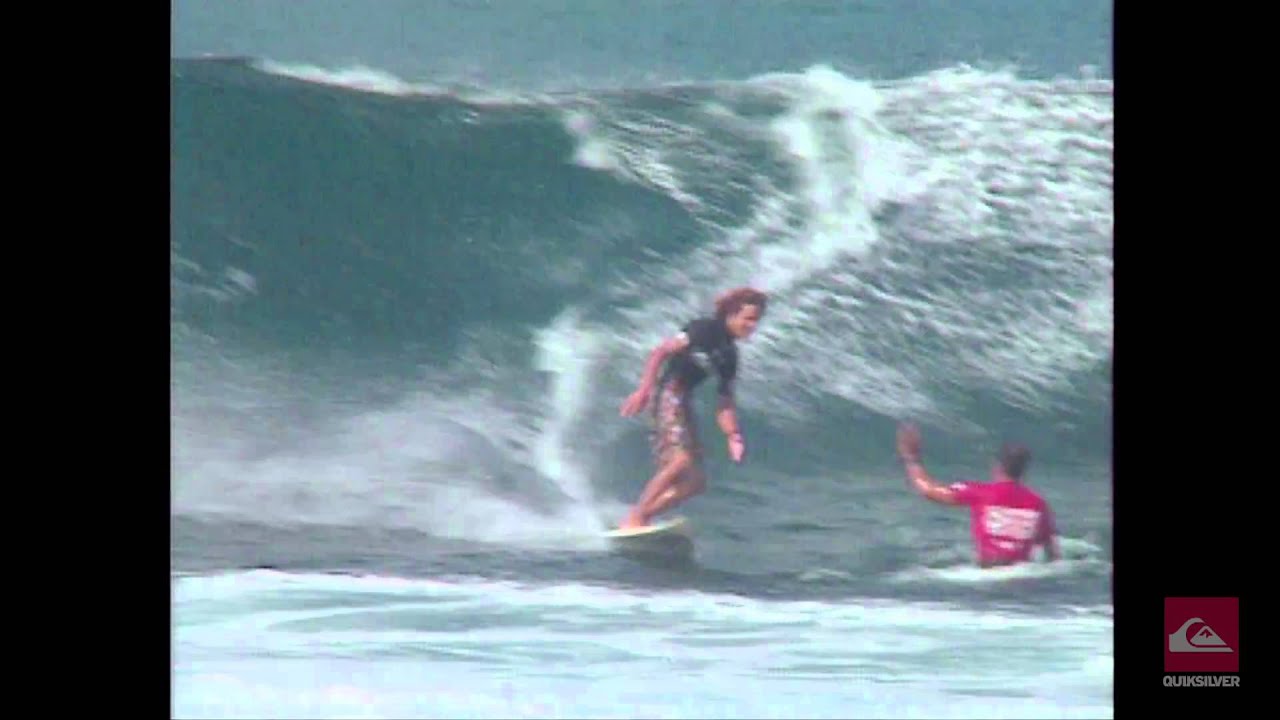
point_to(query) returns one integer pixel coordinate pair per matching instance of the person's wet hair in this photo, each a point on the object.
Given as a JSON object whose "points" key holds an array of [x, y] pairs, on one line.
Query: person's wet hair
{"points": [[1014, 459], [731, 301]]}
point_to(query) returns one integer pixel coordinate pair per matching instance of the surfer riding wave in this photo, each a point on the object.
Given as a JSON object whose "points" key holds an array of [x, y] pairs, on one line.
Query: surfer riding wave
{"points": [[703, 346]]}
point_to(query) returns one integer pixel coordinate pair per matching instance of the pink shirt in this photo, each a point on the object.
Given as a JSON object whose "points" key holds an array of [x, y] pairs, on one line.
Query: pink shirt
{"points": [[1008, 520]]}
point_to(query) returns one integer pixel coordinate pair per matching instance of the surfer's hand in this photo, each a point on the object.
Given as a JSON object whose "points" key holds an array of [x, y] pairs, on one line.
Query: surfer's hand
{"points": [[635, 402], [737, 447], [908, 442]]}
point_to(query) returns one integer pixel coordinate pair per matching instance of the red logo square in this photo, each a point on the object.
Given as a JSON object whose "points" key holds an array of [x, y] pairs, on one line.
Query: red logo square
{"points": [[1202, 635]]}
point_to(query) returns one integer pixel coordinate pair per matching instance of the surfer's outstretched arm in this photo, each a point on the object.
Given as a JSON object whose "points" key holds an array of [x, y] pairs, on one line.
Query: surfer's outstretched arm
{"points": [[917, 476], [637, 400], [925, 485]]}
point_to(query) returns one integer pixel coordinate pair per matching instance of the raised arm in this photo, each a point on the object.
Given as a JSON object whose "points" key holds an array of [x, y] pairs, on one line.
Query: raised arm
{"points": [[925, 485], [917, 477]]}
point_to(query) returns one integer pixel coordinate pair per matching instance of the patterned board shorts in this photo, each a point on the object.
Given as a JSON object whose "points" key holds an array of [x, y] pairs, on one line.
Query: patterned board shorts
{"points": [[674, 425]]}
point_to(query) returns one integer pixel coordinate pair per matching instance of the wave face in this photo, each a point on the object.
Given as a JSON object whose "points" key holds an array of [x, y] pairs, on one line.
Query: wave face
{"points": [[406, 305]]}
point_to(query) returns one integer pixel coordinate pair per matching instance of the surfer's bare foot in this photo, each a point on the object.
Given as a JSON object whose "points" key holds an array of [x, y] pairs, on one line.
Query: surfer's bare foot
{"points": [[632, 520]]}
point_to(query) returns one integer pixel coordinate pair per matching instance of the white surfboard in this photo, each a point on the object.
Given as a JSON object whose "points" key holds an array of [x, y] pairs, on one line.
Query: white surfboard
{"points": [[676, 525], [672, 536]]}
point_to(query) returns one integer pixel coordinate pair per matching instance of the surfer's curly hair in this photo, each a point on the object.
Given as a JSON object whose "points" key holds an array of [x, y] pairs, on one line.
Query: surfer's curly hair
{"points": [[731, 301]]}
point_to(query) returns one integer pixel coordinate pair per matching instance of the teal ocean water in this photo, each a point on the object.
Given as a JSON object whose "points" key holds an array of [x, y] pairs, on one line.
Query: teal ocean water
{"points": [[411, 287]]}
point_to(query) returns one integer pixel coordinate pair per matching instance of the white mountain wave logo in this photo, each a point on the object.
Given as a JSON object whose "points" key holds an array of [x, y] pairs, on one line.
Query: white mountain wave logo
{"points": [[1203, 640]]}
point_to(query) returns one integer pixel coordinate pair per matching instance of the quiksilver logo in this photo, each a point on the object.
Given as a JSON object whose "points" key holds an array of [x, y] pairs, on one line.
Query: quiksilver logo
{"points": [[1202, 640], [1202, 681], [1202, 635]]}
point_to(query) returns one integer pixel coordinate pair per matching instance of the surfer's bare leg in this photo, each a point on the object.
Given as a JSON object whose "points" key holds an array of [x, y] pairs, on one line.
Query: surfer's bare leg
{"points": [[692, 482], [661, 483]]}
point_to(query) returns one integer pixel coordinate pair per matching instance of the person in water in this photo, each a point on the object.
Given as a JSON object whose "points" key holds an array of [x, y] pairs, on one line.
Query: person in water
{"points": [[1007, 518], [704, 346]]}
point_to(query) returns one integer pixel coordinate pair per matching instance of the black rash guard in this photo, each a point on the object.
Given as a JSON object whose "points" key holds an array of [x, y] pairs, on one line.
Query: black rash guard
{"points": [[711, 349]]}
